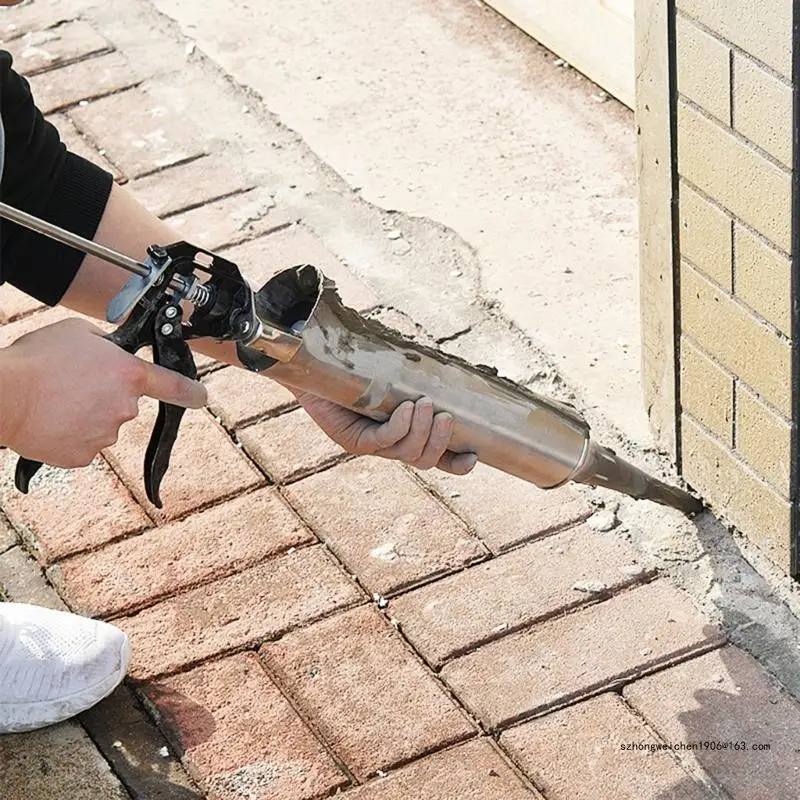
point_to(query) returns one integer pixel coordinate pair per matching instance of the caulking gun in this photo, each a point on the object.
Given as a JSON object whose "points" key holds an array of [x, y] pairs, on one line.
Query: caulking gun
{"points": [[296, 329]]}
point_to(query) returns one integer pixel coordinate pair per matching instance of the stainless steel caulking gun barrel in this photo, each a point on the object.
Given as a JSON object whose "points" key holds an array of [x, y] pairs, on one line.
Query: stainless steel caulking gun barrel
{"points": [[333, 352]]}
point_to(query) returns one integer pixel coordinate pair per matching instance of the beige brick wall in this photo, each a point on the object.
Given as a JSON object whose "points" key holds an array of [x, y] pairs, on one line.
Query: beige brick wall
{"points": [[751, 350], [727, 168], [734, 155], [706, 236], [759, 28], [760, 435], [763, 278], [707, 391], [736, 491], [704, 69], [762, 108]]}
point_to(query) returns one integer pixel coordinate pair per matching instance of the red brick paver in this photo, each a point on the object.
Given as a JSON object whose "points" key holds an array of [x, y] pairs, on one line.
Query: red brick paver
{"points": [[239, 736], [384, 527], [41, 50], [506, 510], [67, 511], [562, 659], [77, 144], [726, 708], [92, 78], [579, 754], [236, 612], [32, 17], [206, 466], [8, 536], [492, 599], [224, 539], [232, 220], [374, 703], [156, 136], [136, 750], [14, 330], [237, 396], [260, 259], [187, 185], [14, 304], [290, 446], [470, 771]]}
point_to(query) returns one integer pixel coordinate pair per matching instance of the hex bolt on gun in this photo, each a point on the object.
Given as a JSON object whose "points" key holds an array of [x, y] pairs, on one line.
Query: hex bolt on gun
{"points": [[296, 329]]}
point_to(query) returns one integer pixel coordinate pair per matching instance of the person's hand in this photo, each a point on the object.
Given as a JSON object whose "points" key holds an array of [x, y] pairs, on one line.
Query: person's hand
{"points": [[65, 391], [413, 433]]}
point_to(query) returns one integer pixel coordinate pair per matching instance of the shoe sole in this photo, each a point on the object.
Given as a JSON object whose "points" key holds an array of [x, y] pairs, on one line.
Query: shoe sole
{"points": [[72, 705]]}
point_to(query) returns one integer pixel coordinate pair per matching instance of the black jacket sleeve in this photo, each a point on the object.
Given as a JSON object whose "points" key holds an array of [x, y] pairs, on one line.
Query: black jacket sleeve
{"points": [[41, 177]]}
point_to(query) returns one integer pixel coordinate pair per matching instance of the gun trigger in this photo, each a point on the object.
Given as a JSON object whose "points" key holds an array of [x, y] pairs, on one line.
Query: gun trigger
{"points": [[169, 351], [26, 469]]}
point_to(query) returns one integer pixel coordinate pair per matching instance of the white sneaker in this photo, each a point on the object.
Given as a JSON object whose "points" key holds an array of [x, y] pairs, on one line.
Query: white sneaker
{"points": [[54, 665]]}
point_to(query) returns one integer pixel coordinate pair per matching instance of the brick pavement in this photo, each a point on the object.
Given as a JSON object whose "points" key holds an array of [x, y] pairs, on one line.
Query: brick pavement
{"points": [[307, 623]]}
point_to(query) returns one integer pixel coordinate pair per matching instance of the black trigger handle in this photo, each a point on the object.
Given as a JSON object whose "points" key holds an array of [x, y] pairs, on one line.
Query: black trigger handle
{"points": [[170, 351], [23, 474]]}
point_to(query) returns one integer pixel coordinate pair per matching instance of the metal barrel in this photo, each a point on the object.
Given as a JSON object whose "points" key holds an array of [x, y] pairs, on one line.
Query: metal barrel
{"points": [[363, 365]]}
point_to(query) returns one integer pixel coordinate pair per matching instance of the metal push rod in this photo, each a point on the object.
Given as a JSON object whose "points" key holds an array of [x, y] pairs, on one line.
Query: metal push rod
{"points": [[83, 245]]}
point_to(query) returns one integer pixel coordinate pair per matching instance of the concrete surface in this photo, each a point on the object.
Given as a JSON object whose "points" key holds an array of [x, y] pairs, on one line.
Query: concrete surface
{"points": [[59, 763], [443, 111]]}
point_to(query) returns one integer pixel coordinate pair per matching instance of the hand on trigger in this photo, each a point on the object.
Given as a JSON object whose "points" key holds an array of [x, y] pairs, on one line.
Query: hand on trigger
{"points": [[65, 391]]}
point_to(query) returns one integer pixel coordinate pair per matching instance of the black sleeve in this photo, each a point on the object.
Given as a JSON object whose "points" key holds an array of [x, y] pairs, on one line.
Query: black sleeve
{"points": [[41, 177]]}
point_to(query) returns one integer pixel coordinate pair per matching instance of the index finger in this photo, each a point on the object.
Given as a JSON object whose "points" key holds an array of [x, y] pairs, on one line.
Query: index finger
{"points": [[172, 387]]}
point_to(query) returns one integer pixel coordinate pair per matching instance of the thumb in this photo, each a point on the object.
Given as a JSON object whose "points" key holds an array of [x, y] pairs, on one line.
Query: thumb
{"points": [[172, 387]]}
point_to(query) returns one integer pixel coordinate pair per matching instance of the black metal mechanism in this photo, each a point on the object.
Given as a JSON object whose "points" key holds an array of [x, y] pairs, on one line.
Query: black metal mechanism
{"points": [[223, 310]]}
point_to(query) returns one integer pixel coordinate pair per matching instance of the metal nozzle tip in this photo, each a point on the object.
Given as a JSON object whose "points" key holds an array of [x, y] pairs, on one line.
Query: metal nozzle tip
{"points": [[672, 496], [603, 467]]}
